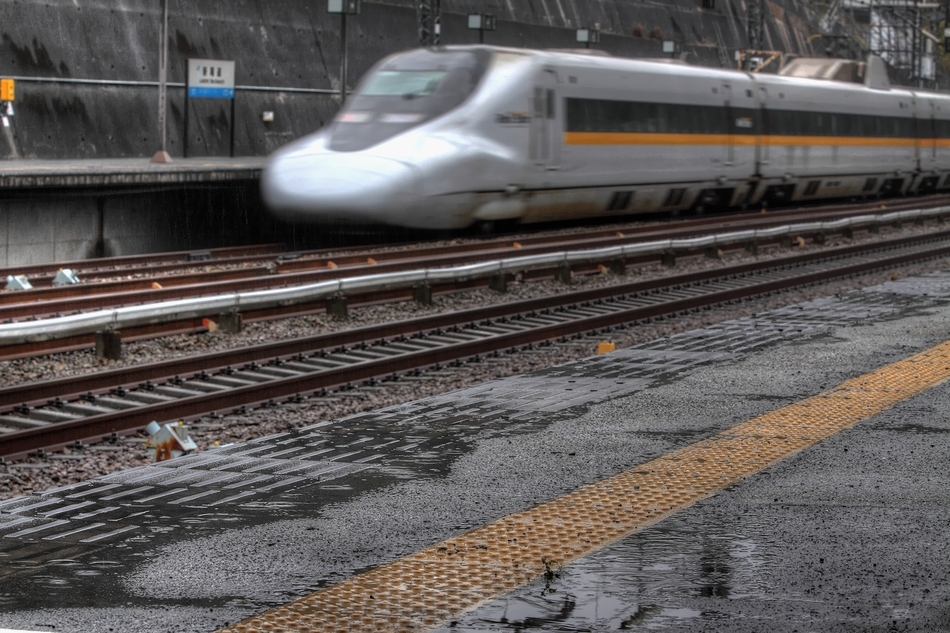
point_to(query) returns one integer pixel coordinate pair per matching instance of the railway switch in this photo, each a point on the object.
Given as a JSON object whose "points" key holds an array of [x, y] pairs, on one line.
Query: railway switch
{"points": [[18, 282], [65, 277], [169, 440]]}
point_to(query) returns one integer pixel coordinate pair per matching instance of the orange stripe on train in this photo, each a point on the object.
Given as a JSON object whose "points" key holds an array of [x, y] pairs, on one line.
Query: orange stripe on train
{"points": [[658, 138]]}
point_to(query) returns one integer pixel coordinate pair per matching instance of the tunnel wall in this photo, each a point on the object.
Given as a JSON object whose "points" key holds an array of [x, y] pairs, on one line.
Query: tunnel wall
{"points": [[293, 43]]}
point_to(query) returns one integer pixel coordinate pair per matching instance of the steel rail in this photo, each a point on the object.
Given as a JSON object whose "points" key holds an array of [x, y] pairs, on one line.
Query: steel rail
{"points": [[197, 324], [202, 306], [77, 386], [348, 261], [684, 228], [27, 299], [313, 260], [194, 257], [488, 337]]}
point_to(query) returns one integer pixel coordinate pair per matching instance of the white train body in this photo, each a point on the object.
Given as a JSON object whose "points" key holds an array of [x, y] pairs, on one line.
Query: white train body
{"points": [[443, 138]]}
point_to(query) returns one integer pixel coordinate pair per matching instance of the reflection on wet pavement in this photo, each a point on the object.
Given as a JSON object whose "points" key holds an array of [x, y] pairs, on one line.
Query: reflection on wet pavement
{"points": [[646, 581]]}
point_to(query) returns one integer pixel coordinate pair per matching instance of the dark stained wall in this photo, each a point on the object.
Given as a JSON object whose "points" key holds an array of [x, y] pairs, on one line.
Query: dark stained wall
{"points": [[293, 43]]}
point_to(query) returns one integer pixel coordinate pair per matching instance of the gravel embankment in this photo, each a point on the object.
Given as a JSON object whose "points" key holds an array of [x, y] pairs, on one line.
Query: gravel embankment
{"points": [[37, 474]]}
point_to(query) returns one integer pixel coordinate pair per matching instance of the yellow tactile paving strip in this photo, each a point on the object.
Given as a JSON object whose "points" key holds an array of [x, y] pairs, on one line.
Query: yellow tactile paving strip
{"points": [[439, 583]]}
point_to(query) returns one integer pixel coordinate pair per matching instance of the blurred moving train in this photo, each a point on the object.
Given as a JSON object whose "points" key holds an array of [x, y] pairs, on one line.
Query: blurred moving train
{"points": [[443, 138]]}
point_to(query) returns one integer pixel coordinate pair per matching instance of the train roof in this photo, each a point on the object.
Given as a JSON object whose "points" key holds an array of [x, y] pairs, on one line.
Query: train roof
{"points": [[592, 58]]}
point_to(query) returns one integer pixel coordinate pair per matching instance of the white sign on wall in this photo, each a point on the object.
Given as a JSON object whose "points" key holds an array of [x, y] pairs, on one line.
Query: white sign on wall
{"points": [[210, 79]]}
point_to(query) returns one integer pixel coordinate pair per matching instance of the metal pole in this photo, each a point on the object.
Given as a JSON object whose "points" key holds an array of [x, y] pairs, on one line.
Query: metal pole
{"points": [[918, 44], [342, 58], [161, 156], [233, 99], [163, 74], [184, 140]]}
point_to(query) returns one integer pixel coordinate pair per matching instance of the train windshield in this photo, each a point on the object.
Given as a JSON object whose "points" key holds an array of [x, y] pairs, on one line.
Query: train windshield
{"points": [[403, 83], [405, 91]]}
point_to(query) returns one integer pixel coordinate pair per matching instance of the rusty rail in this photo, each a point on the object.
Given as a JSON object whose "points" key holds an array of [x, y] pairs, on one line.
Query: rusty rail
{"points": [[827, 265]]}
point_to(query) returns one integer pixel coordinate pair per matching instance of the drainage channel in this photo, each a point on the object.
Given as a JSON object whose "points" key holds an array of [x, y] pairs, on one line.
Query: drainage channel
{"points": [[24, 428]]}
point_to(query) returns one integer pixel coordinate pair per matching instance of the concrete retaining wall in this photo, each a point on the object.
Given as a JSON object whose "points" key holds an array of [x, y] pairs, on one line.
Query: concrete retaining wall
{"points": [[47, 227]]}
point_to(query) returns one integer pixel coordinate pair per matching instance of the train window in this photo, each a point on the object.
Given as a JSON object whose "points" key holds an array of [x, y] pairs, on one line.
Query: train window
{"points": [[404, 83], [550, 104], [674, 197], [601, 115], [869, 185], [539, 103], [812, 188], [406, 90], [792, 123], [619, 201]]}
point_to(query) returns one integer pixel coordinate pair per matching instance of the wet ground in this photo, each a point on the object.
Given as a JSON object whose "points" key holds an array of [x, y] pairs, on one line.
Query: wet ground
{"points": [[851, 535], [848, 536]]}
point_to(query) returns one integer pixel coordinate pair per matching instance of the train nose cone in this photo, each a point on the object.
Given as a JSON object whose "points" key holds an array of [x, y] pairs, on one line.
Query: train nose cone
{"points": [[347, 185]]}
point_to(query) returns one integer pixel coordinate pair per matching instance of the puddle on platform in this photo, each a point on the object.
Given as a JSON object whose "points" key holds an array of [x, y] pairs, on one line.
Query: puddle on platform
{"points": [[918, 429], [651, 580]]}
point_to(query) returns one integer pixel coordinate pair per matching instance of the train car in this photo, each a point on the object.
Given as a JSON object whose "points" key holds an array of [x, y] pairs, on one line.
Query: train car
{"points": [[443, 138]]}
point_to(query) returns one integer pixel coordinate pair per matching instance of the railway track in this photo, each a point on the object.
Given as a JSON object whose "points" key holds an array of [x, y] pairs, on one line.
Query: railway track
{"points": [[283, 270], [41, 275], [55, 413]]}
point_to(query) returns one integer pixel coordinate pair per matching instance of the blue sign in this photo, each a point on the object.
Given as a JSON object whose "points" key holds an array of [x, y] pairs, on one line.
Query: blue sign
{"points": [[210, 79], [203, 92]]}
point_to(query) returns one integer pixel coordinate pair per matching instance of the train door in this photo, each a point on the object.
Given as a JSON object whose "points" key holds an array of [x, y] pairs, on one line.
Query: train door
{"points": [[545, 140], [762, 132], [926, 131], [923, 109], [729, 159], [932, 132]]}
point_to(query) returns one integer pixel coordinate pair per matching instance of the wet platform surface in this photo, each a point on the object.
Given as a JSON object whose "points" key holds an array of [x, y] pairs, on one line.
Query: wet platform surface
{"points": [[848, 535], [40, 174]]}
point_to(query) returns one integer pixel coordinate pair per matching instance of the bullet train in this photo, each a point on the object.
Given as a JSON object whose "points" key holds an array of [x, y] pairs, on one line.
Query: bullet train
{"points": [[442, 138]]}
